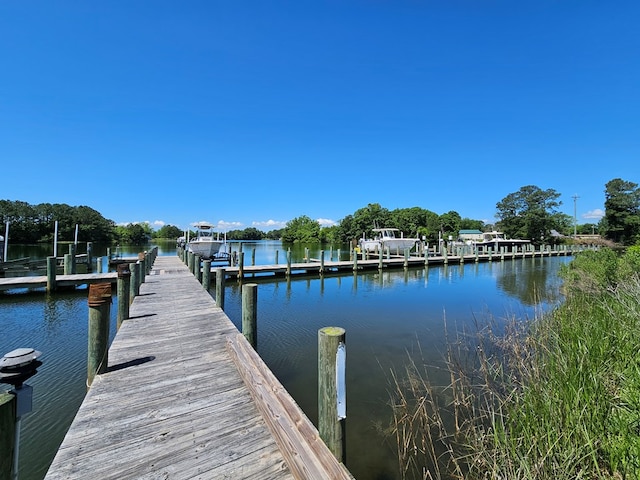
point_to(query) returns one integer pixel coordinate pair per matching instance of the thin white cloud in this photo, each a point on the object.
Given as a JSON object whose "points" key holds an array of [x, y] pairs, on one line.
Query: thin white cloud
{"points": [[596, 214], [269, 225], [325, 222], [222, 225]]}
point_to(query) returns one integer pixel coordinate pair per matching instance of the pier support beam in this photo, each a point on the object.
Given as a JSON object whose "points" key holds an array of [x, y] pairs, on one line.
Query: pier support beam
{"points": [[250, 313], [220, 277], [331, 390], [51, 274], [206, 274], [99, 316], [124, 288]]}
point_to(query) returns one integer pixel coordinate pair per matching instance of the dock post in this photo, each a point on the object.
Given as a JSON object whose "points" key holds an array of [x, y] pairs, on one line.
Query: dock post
{"points": [[288, 262], [277, 252], [99, 265], [7, 433], [249, 313], [143, 269], [332, 390], [89, 255], [124, 287], [68, 267], [72, 252], [380, 261], [253, 256], [135, 283], [446, 255], [321, 262], [220, 273], [406, 257], [99, 315], [51, 274], [197, 271], [241, 264], [206, 274], [355, 260]]}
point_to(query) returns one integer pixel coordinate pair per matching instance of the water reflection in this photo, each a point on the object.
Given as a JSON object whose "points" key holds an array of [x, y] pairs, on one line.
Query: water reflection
{"points": [[388, 315]]}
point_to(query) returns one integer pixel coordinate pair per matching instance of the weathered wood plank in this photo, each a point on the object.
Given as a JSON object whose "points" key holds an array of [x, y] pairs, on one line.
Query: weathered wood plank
{"points": [[307, 456], [172, 404]]}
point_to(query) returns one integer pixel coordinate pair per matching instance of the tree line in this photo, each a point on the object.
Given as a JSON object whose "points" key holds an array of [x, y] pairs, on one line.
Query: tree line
{"points": [[530, 213]]}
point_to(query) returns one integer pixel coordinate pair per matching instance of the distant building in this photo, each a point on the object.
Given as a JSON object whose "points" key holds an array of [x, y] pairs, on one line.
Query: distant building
{"points": [[470, 235]]}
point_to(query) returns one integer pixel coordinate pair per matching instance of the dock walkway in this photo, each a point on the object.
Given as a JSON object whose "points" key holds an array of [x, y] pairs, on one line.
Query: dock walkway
{"points": [[173, 403]]}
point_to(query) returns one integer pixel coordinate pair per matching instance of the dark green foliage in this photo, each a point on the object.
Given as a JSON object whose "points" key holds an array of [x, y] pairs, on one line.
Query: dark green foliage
{"points": [[621, 222], [301, 229], [250, 233], [36, 223], [168, 231], [531, 213]]}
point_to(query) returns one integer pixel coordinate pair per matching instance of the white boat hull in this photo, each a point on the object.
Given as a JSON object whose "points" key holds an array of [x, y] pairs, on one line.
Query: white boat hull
{"points": [[396, 245], [207, 249]]}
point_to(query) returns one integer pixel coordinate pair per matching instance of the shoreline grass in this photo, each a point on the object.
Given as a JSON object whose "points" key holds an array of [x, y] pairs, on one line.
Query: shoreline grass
{"points": [[554, 398]]}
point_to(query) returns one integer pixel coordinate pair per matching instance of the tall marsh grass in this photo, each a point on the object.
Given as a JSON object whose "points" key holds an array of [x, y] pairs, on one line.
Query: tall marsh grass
{"points": [[557, 397]]}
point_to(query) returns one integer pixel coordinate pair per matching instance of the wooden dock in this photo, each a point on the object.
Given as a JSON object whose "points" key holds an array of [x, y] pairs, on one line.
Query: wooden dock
{"points": [[315, 267], [312, 267], [173, 403], [40, 281]]}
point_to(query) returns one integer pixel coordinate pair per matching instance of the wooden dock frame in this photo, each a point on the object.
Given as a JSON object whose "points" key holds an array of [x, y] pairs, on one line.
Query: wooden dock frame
{"points": [[185, 396]]}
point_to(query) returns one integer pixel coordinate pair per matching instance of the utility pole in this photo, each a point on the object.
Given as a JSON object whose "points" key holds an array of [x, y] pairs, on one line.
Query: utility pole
{"points": [[575, 215]]}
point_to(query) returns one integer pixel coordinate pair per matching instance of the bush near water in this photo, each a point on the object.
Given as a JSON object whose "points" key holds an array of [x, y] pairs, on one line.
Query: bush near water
{"points": [[555, 398]]}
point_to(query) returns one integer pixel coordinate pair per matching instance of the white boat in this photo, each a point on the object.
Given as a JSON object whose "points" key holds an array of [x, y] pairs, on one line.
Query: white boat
{"points": [[496, 240], [205, 244], [391, 238]]}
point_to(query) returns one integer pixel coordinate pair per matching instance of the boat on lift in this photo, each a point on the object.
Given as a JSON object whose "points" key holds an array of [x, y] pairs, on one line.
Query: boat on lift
{"points": [[391, 238], [207, 243], [497, 240]]}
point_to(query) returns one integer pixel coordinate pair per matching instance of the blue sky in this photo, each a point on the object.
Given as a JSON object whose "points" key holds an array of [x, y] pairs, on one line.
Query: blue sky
{"points": [[253, 113]]}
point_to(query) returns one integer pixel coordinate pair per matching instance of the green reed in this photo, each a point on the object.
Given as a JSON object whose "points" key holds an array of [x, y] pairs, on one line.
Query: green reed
{"points": [[554, 398]]}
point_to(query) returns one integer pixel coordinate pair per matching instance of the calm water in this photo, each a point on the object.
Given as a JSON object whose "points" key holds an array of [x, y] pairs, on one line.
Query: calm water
{"points": [[387, 317]]}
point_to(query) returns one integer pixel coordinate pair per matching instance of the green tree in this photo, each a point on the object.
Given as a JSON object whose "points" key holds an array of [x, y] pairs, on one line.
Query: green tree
{"points": [[168, 231], [363, 221], [621, 221], [132, 234], [301, 229], [450, 224], [530, 213]]}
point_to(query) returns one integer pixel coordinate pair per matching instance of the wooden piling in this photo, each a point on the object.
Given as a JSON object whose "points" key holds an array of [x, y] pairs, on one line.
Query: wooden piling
{"points": [[331, 395], [321, 262], [197, 270], [249, 313], [99, 315], [220, 277], [7, 433], [240, 264], [68, 266], [142, 273], [288, 262], [134, 291], [124, 287], [51, 274], [206, 274], [72, 253]]}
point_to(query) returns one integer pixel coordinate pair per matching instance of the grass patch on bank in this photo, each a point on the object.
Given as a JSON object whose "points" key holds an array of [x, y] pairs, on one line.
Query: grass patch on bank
{"points": [[554, 398]]}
